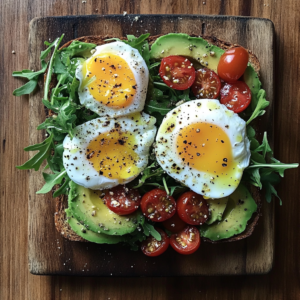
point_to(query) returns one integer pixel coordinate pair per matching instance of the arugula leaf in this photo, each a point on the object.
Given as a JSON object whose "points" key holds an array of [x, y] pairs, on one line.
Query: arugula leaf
{"points": [[154, 65], [161, 107], [269, 191], [30, 74], [178, 189], [55, 44], [276, 167], [51, 180], [27, 88], [73, 88], [141, 45], [58, 66], [63, 189], [261, 173], [56, 90], [264, 147], [44, 149], [150, 230], [76, 48], [261, 105], [148, 173], [136, 42], [64, 121], [185, 95]]}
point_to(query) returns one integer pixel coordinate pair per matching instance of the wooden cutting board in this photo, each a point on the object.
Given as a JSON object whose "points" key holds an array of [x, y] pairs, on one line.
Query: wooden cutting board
{"points": [[49, 253]]}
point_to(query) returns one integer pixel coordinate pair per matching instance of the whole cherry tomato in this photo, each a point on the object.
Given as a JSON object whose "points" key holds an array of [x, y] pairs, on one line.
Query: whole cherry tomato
{"points": [[233, 64]]}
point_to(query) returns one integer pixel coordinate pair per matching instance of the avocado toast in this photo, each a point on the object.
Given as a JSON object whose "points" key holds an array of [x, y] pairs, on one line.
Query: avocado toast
{"points": [[61, 202], [212, 53]]}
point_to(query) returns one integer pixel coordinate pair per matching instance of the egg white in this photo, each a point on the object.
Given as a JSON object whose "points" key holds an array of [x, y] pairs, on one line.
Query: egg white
{"points": [[206, 111], [141, 75], [80, 169]]}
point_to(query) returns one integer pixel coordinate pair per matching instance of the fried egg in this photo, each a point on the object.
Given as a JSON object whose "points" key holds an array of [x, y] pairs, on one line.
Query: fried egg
{"points": [[204, 145], [107, 152], [113, 81]]}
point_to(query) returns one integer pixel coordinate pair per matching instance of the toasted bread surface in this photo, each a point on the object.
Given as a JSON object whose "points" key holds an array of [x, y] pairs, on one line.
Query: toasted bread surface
{"points": [[61, 202]]}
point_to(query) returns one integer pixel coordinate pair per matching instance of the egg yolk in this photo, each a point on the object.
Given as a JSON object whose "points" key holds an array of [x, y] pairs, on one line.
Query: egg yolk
{"points": [[112, 155], [109, 80], [206, 148]]}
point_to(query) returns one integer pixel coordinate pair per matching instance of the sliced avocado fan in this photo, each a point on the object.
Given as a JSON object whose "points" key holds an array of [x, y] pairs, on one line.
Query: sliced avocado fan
{"points": [[81, 230], [87, 206]]}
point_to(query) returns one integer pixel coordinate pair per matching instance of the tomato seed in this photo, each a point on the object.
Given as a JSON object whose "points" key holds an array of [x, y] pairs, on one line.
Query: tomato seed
{"points": [[192, 236], [150, 210]]}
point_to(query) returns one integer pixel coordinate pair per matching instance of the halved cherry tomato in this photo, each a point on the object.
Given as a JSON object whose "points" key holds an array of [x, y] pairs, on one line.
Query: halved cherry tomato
{"points": [[207, 84], [122, 200], [186, 241], [152, 247], [236, 96], [177, 72], [157, 206], [192, 208], [233, 64], [174, 224]]}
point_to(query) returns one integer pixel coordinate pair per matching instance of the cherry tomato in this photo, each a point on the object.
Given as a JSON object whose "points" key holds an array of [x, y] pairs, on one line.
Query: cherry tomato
{"points": [[174, 224], [122, 200], [177, 72], [233, 64], [186, 241], [207, 84], [236, 96], [153, 247], [192, 208], [157, 206]]}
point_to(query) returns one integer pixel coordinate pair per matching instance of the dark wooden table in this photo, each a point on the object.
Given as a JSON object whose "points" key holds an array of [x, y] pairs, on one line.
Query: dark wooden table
{"points": [[283, 282]]}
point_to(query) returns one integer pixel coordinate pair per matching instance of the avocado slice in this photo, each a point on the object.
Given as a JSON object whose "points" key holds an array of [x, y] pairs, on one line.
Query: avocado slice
{"points": [[250, 77], [87, 206], [194, 48], [216, 208], [81, 230], [238, 212]]}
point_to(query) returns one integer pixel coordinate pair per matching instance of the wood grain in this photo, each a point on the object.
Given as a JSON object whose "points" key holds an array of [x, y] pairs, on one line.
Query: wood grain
{"points": [[283, 282], [49, 253]]}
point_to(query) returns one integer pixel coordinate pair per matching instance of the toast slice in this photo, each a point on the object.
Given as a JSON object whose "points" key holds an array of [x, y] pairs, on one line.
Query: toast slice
{"points": [[62, 225]]}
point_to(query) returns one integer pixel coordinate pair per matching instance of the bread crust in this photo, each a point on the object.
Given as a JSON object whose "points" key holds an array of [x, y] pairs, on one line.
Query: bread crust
{"points": [[62, 225]]}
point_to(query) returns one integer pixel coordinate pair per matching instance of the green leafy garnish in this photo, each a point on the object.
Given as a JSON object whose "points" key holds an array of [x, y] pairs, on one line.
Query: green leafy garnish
{"points": [[151, 171], [63, 101], [27, 88], [44, 149], [263, 168], [150, 230], [51, 180], [261, 105]]}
